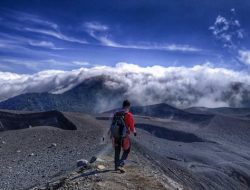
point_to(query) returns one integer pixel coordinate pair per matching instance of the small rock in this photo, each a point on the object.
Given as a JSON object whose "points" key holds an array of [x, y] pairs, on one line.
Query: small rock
{"points": [[32, 154], [82, 162], [3, 142], [18, 151], [93, 159], [100, 160], [53, 145], [101, 167]]}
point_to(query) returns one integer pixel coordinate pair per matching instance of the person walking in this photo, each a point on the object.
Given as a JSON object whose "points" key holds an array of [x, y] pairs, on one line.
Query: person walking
{"points": [[121, 127]]}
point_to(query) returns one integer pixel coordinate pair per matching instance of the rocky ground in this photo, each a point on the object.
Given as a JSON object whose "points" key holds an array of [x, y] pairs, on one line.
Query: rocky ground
{"points": [[214, 155], [33, 156], [167, 153], [140, 173]]}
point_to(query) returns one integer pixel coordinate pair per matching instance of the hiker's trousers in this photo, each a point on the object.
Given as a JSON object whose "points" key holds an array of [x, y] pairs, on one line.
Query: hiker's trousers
{"points": [[120, 143]]}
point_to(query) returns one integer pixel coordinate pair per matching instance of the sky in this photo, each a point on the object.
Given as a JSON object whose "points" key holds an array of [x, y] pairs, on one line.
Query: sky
{"points": [[38, 35], [185, 39]]}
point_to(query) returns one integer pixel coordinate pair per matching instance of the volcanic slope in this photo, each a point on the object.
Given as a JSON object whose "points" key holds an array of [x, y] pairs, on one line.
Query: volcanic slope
{"points": [[42, 150], [201, 155], [34, 147], [173, 149]]}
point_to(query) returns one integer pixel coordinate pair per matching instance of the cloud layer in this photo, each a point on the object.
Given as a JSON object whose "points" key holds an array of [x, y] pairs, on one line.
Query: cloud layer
{"points": [[201, 85]]}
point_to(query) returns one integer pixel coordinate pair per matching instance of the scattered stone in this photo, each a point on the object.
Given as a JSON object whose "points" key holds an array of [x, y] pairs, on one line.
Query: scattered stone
{"points": [[32, 154], [99, 160], [101, 167], [82, 163], [93, 159], [53, 145], [3, 142], [18, 151]]}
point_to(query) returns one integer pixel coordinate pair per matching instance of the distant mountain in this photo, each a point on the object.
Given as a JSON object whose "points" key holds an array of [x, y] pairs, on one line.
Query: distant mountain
{"points": [[91, 96], [243, 112], [158, 110], [169, 112]]}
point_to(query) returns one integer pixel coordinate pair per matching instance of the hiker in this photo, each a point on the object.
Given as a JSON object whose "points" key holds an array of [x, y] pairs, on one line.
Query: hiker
{"points": [[122, 125]]}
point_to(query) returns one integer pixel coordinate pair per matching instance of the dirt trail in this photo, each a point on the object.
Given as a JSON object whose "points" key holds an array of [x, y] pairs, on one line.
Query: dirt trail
{"points": [[140, 174]]}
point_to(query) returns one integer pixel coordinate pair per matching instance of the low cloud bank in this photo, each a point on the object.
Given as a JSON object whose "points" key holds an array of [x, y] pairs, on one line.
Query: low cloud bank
{"points": [[201, 85]]}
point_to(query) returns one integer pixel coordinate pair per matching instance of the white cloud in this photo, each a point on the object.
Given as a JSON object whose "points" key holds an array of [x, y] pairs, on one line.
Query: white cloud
{"points": [[100, 33], [33, 23], [244, 56], [11, 64], [37, 20], [22, 21], [44, 44], [81, 63], [56, 34], [200, 85], [95, 26], [29, 18], [227, 30]]}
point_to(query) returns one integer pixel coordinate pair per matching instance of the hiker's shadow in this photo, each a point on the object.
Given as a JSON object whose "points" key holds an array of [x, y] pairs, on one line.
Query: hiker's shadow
{"points": [[91, 173]]}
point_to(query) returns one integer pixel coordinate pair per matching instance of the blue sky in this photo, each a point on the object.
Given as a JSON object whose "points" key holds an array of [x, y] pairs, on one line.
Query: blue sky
{"points": [[38, 35]]}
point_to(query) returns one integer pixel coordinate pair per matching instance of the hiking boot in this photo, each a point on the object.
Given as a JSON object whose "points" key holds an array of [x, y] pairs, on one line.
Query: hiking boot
{"points": [[121, 169], [122, 163]]}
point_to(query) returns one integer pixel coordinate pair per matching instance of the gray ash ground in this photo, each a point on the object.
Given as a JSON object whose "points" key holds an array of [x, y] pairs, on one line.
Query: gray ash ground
{"points": [[208, 155], [34, 155], [168, 153], [220, 161], [140, 173]]}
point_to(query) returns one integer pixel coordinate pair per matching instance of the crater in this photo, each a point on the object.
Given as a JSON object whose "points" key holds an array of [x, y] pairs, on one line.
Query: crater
{"points": [[16, 121], [170, 134]]}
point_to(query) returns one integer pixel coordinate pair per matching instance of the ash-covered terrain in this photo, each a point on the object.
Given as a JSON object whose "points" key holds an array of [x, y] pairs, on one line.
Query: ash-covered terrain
{"points": [[35, 147], [174, 149]]}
